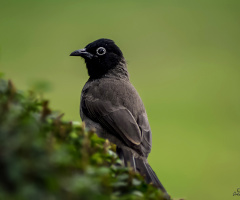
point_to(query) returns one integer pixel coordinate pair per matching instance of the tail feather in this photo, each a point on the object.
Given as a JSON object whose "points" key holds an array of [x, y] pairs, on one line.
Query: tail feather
{"points": [[157, 181], [126, 157], [141, 165]]}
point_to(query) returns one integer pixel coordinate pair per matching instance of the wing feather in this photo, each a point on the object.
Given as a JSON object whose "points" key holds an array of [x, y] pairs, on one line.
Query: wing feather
{"points": [[116, 119]]}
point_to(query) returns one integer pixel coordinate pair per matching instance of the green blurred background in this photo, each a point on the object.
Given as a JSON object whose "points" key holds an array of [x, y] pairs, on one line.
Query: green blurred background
{"points": [[183, 58]]}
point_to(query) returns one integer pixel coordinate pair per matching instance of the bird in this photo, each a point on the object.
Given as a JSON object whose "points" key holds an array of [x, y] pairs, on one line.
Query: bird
{"points": [[111, 106]]}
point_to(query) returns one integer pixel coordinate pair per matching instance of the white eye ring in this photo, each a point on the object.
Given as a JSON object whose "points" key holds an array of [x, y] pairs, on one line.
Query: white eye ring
{"points": [[101, 51]]}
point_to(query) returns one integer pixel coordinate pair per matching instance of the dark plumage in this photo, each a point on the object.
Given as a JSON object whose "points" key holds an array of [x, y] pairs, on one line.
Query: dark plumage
{"points": [[111, 105]]}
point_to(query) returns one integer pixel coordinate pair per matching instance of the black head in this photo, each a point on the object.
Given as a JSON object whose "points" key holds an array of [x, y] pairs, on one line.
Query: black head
{"points": [[100, 56]]}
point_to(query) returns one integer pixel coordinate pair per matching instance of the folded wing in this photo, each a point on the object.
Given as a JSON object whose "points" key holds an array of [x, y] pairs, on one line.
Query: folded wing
{"points": [[117, 119]]}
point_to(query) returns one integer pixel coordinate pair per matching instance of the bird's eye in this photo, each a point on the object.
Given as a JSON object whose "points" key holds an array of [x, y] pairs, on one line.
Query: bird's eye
{"points": [[101, 51]]}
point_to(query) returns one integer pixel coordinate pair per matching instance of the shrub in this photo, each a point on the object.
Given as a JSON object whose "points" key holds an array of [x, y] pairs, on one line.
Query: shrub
{"points": [[44, 157]]}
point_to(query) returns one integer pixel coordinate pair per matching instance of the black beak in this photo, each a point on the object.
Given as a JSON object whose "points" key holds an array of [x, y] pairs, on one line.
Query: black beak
{"points": [[83, 53]]}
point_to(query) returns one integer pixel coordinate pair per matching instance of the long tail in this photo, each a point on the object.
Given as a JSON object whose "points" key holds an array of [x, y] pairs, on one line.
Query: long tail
{"points": [[141, 165]]}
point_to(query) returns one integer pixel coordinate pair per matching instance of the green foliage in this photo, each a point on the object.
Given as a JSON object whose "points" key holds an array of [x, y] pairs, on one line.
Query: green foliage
{"points": [[44, 157]]}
